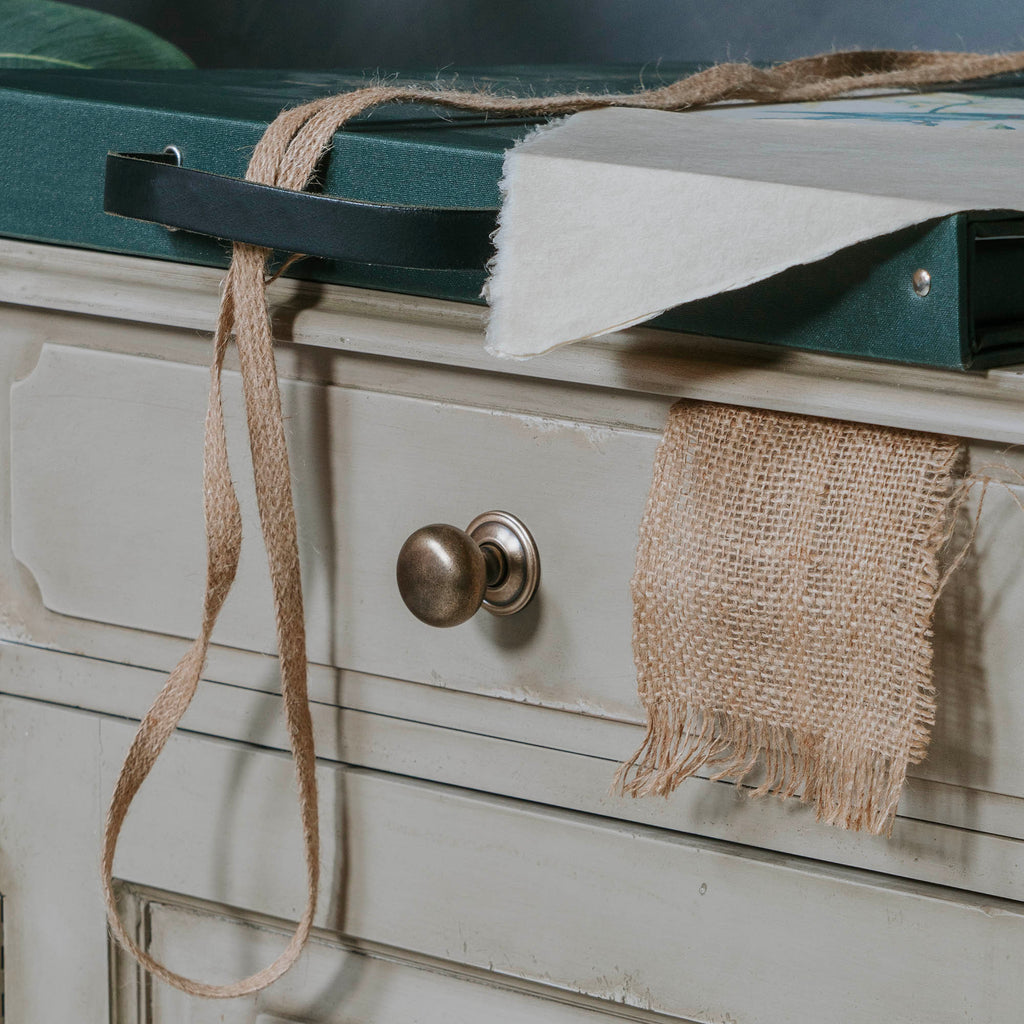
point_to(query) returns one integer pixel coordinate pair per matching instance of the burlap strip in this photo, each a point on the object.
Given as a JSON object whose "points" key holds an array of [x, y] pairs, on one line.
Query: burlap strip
{"points": [[786, 576]]}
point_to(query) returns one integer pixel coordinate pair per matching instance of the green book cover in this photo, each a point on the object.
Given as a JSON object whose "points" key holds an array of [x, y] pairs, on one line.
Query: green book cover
{"points": [[56, 128]]}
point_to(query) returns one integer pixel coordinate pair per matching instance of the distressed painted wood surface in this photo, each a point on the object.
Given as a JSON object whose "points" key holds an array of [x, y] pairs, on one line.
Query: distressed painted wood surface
{"points": [[107, 515], [632, 915], [54, 934], [521, 862], [675, 924], [553, 758], [980, 405], [336, 982]]}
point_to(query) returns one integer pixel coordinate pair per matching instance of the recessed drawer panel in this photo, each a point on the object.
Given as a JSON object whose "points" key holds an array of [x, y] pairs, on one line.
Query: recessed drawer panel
{"points": [[106, 494], [334, 983]]}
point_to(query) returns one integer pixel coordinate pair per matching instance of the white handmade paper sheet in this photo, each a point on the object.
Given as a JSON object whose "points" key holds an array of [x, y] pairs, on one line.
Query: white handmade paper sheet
{"points": [[610, 217]]}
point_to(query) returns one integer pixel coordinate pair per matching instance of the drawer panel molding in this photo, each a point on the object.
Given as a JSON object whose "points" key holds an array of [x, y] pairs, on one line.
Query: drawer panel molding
{"points": [[107, 515]]}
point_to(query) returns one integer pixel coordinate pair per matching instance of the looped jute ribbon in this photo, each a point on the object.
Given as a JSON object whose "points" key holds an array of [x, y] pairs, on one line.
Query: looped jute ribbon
{"points": [[287, 157]]}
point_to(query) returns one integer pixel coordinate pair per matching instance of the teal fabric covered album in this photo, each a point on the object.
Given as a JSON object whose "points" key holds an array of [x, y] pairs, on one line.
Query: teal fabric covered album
{"points": [[57, 127]]}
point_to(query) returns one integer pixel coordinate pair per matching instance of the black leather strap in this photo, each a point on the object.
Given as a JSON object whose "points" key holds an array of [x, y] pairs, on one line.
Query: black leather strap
{"points": [[152, 187]]}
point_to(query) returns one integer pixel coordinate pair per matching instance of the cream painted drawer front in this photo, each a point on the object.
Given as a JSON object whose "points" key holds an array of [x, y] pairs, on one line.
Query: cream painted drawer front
{"points": [[106, 498], [54, 928], [106, 515]]}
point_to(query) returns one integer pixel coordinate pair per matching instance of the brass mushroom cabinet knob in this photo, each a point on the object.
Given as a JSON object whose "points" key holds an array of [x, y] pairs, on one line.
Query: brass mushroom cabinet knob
{"points": [[445, 574]]}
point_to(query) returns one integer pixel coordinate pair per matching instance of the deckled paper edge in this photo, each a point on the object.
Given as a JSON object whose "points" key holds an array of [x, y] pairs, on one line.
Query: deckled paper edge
{"points": [[498, 346], [496, 263]]}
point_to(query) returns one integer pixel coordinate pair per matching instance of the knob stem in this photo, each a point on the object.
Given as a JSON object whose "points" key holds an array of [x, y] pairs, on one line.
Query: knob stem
{"points": [[497, 564]]}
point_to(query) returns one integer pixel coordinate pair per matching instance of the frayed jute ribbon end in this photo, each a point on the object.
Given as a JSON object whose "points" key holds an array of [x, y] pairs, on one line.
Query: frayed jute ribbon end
{"points": [[846, 788]]}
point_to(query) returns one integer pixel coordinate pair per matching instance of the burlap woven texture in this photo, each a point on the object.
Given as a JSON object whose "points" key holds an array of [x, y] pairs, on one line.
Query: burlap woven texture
{"points": [[287, 157], [785, 580]]}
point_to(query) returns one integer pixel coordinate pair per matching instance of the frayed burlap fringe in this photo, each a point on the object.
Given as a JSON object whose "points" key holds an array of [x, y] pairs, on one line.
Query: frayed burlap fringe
{"points": [[786, 576], [287, 157]]}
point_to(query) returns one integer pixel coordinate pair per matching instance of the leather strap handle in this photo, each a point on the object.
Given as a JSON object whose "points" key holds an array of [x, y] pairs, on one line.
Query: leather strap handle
{"points": [[153, 187]]}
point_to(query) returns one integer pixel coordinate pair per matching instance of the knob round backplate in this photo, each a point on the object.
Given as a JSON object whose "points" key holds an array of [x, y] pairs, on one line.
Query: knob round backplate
{"points": [[445, 574], [515, 589]]}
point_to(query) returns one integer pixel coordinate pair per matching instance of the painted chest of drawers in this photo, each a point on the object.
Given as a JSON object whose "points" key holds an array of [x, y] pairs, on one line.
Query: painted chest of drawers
{"points": [[477, 866]]}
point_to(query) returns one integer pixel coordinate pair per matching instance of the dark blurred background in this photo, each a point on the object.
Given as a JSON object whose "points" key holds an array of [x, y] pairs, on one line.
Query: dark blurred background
{"points": [[391, 34]]}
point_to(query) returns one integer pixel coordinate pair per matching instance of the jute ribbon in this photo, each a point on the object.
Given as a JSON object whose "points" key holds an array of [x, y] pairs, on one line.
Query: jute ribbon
{"points": [[287, 156]]}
